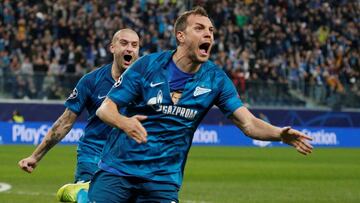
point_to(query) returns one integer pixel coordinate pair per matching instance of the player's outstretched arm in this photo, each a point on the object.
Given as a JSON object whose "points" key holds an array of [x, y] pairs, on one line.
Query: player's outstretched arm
{"points": [[108, 112], [260, 130], [57, 132]]}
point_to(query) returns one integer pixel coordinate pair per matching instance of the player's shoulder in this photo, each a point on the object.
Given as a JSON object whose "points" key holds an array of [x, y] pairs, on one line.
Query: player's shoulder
{"points": [[151, 62], [97, 73], [158, 56], [94, 76], [210, 67], [100, 71]]}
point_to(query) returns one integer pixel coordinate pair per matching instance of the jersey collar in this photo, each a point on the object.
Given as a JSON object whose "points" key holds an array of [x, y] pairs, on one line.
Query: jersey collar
{"points": [[167, 57]]}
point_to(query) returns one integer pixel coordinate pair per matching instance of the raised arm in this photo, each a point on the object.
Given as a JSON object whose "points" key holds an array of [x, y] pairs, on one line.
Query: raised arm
{"points": [[58, 131], [260, 130], [109, 113]]}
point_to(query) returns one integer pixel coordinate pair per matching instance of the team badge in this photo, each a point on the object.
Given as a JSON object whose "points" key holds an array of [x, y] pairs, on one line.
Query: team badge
{"points": [[73, 94], [200, 91]]}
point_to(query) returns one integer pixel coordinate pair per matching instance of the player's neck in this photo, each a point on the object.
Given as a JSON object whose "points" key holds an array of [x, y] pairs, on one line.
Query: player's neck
{"points": [[116, 71], [184, 62]]}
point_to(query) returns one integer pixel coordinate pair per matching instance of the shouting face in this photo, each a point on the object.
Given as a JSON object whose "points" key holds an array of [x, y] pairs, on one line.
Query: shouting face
{"points": [[125, 47], [197, 38]]}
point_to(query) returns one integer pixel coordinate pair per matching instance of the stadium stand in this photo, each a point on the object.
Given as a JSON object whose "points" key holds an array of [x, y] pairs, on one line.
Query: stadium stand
{"points": [[277, 52]]}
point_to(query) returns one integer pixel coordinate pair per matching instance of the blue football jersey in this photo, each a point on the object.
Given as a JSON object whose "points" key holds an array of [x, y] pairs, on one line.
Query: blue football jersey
{"points": [[144, 89], [89, 93]]}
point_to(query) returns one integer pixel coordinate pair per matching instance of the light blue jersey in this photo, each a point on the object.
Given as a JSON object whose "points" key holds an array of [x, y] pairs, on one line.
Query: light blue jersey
{"points": [[144, 89], [89, 93]]}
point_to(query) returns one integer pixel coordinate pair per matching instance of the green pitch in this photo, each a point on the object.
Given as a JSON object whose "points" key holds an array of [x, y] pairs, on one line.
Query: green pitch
{"points": [[212, 175]]}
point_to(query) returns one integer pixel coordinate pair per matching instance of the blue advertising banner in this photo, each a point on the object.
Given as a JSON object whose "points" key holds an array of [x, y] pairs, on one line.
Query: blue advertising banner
{"points": [[35, 112], [213, 135], [229, 135], [34, 132]]}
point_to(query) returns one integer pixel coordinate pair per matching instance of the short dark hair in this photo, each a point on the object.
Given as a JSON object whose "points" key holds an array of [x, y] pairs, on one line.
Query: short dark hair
{"points": [[181, 21]]}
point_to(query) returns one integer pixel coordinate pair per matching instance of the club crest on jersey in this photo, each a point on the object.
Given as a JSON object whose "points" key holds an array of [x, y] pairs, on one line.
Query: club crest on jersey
{"points": [[73, 94], [118, 82], [200, 90]]}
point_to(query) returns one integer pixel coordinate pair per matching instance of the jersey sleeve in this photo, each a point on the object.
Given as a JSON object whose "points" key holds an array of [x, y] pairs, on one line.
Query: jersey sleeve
{"points": [[77, 100], [128, 86], [228, 99]]}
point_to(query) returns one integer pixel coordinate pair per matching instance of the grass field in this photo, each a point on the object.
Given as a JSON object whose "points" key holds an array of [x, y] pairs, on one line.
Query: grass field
{"points": [[212, 175]]}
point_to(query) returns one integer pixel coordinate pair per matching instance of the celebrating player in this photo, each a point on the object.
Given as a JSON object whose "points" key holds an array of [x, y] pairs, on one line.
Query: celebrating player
{"points": [[143, 161], [89, 93]]}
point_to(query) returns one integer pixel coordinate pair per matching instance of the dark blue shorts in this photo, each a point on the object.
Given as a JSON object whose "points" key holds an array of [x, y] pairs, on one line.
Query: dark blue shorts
{"points": [[85, 171], [110, 188]]}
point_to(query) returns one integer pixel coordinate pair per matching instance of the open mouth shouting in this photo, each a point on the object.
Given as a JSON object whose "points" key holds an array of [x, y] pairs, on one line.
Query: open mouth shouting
{"points": [[127, 59], [205, 48]]}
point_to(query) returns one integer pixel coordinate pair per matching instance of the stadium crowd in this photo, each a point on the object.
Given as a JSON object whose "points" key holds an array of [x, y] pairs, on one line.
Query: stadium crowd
{"points": [[272, 49]]}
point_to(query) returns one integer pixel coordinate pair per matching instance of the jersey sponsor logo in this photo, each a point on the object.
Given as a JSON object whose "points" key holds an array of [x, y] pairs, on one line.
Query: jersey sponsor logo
{"points": [[118, 82], [156, 103], [73, 94], [200, 90], [101, 97], [178, 111], [155, 84], [156, 100]]}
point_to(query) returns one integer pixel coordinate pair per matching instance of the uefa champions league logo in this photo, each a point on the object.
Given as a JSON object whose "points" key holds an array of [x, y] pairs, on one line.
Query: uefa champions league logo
{"points": [[73, 94], [118, 82]]}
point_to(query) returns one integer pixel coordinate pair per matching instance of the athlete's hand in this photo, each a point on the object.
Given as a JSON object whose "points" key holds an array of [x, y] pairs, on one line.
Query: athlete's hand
{"points": [[135, 130], [296, 139], [28, 164]]}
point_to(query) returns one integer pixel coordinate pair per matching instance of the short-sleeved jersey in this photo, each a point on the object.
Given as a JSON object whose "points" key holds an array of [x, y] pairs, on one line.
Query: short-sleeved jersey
{"points": [[89, 93], [144, 89]]}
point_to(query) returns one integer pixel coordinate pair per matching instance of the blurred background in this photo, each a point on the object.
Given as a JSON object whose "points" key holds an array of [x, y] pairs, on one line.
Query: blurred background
{"points": [[296, 53], [293, 62]]}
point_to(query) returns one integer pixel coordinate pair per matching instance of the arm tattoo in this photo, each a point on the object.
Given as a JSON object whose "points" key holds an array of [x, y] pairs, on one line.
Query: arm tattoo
{"points": [[58, 131], [60, 128]]}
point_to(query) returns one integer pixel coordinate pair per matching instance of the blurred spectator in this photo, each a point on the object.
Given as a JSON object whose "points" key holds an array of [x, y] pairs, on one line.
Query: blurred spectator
{"points": [[263, 117], [19, 87], [17, 117], [27, 67], [310, 46]]}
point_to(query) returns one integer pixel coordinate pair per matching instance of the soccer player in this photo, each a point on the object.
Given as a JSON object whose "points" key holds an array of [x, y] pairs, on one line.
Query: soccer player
{"points": [[89, 93], [174, 89]]}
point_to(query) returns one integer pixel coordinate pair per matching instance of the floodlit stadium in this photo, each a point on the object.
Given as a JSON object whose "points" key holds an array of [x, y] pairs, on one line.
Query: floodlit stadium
{"points": [[291, 62]]}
